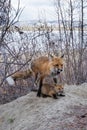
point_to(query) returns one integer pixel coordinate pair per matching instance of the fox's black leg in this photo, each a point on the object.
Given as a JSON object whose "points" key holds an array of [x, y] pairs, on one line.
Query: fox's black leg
{"points": [[40, 87], [55, 80], [55, 96], [44, 96]]}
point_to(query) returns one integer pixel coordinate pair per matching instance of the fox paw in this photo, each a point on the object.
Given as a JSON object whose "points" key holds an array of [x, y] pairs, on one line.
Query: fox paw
{"points": [[38, 95]]}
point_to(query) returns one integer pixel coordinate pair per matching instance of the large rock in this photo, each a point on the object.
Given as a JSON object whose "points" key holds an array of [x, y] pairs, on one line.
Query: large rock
{"points": [[33, 113]]}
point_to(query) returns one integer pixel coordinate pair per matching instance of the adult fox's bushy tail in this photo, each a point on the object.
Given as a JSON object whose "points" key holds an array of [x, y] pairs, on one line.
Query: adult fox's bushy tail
{"points": [[19, 75]]}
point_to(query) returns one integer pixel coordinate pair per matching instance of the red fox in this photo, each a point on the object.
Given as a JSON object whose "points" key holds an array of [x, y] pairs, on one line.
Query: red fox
{"points": [[43, 67], [52, 90]]}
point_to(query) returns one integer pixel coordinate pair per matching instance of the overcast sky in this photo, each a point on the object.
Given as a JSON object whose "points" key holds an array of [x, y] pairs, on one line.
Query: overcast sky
{"points": [[35, 9]]}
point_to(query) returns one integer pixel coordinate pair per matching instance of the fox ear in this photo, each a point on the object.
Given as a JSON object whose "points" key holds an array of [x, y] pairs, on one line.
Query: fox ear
{"points": [[52, 56], [62, 56]]}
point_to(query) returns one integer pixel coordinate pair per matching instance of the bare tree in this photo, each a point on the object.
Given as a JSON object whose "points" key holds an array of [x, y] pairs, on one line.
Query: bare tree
{"points": [[73, 43]]}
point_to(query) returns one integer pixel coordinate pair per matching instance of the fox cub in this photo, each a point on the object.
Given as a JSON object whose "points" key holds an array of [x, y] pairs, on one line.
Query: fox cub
{"points": [[52, 90]]}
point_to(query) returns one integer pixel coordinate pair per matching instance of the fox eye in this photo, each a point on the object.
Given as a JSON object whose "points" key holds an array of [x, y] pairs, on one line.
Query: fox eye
{"points": [[56, 65]]}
